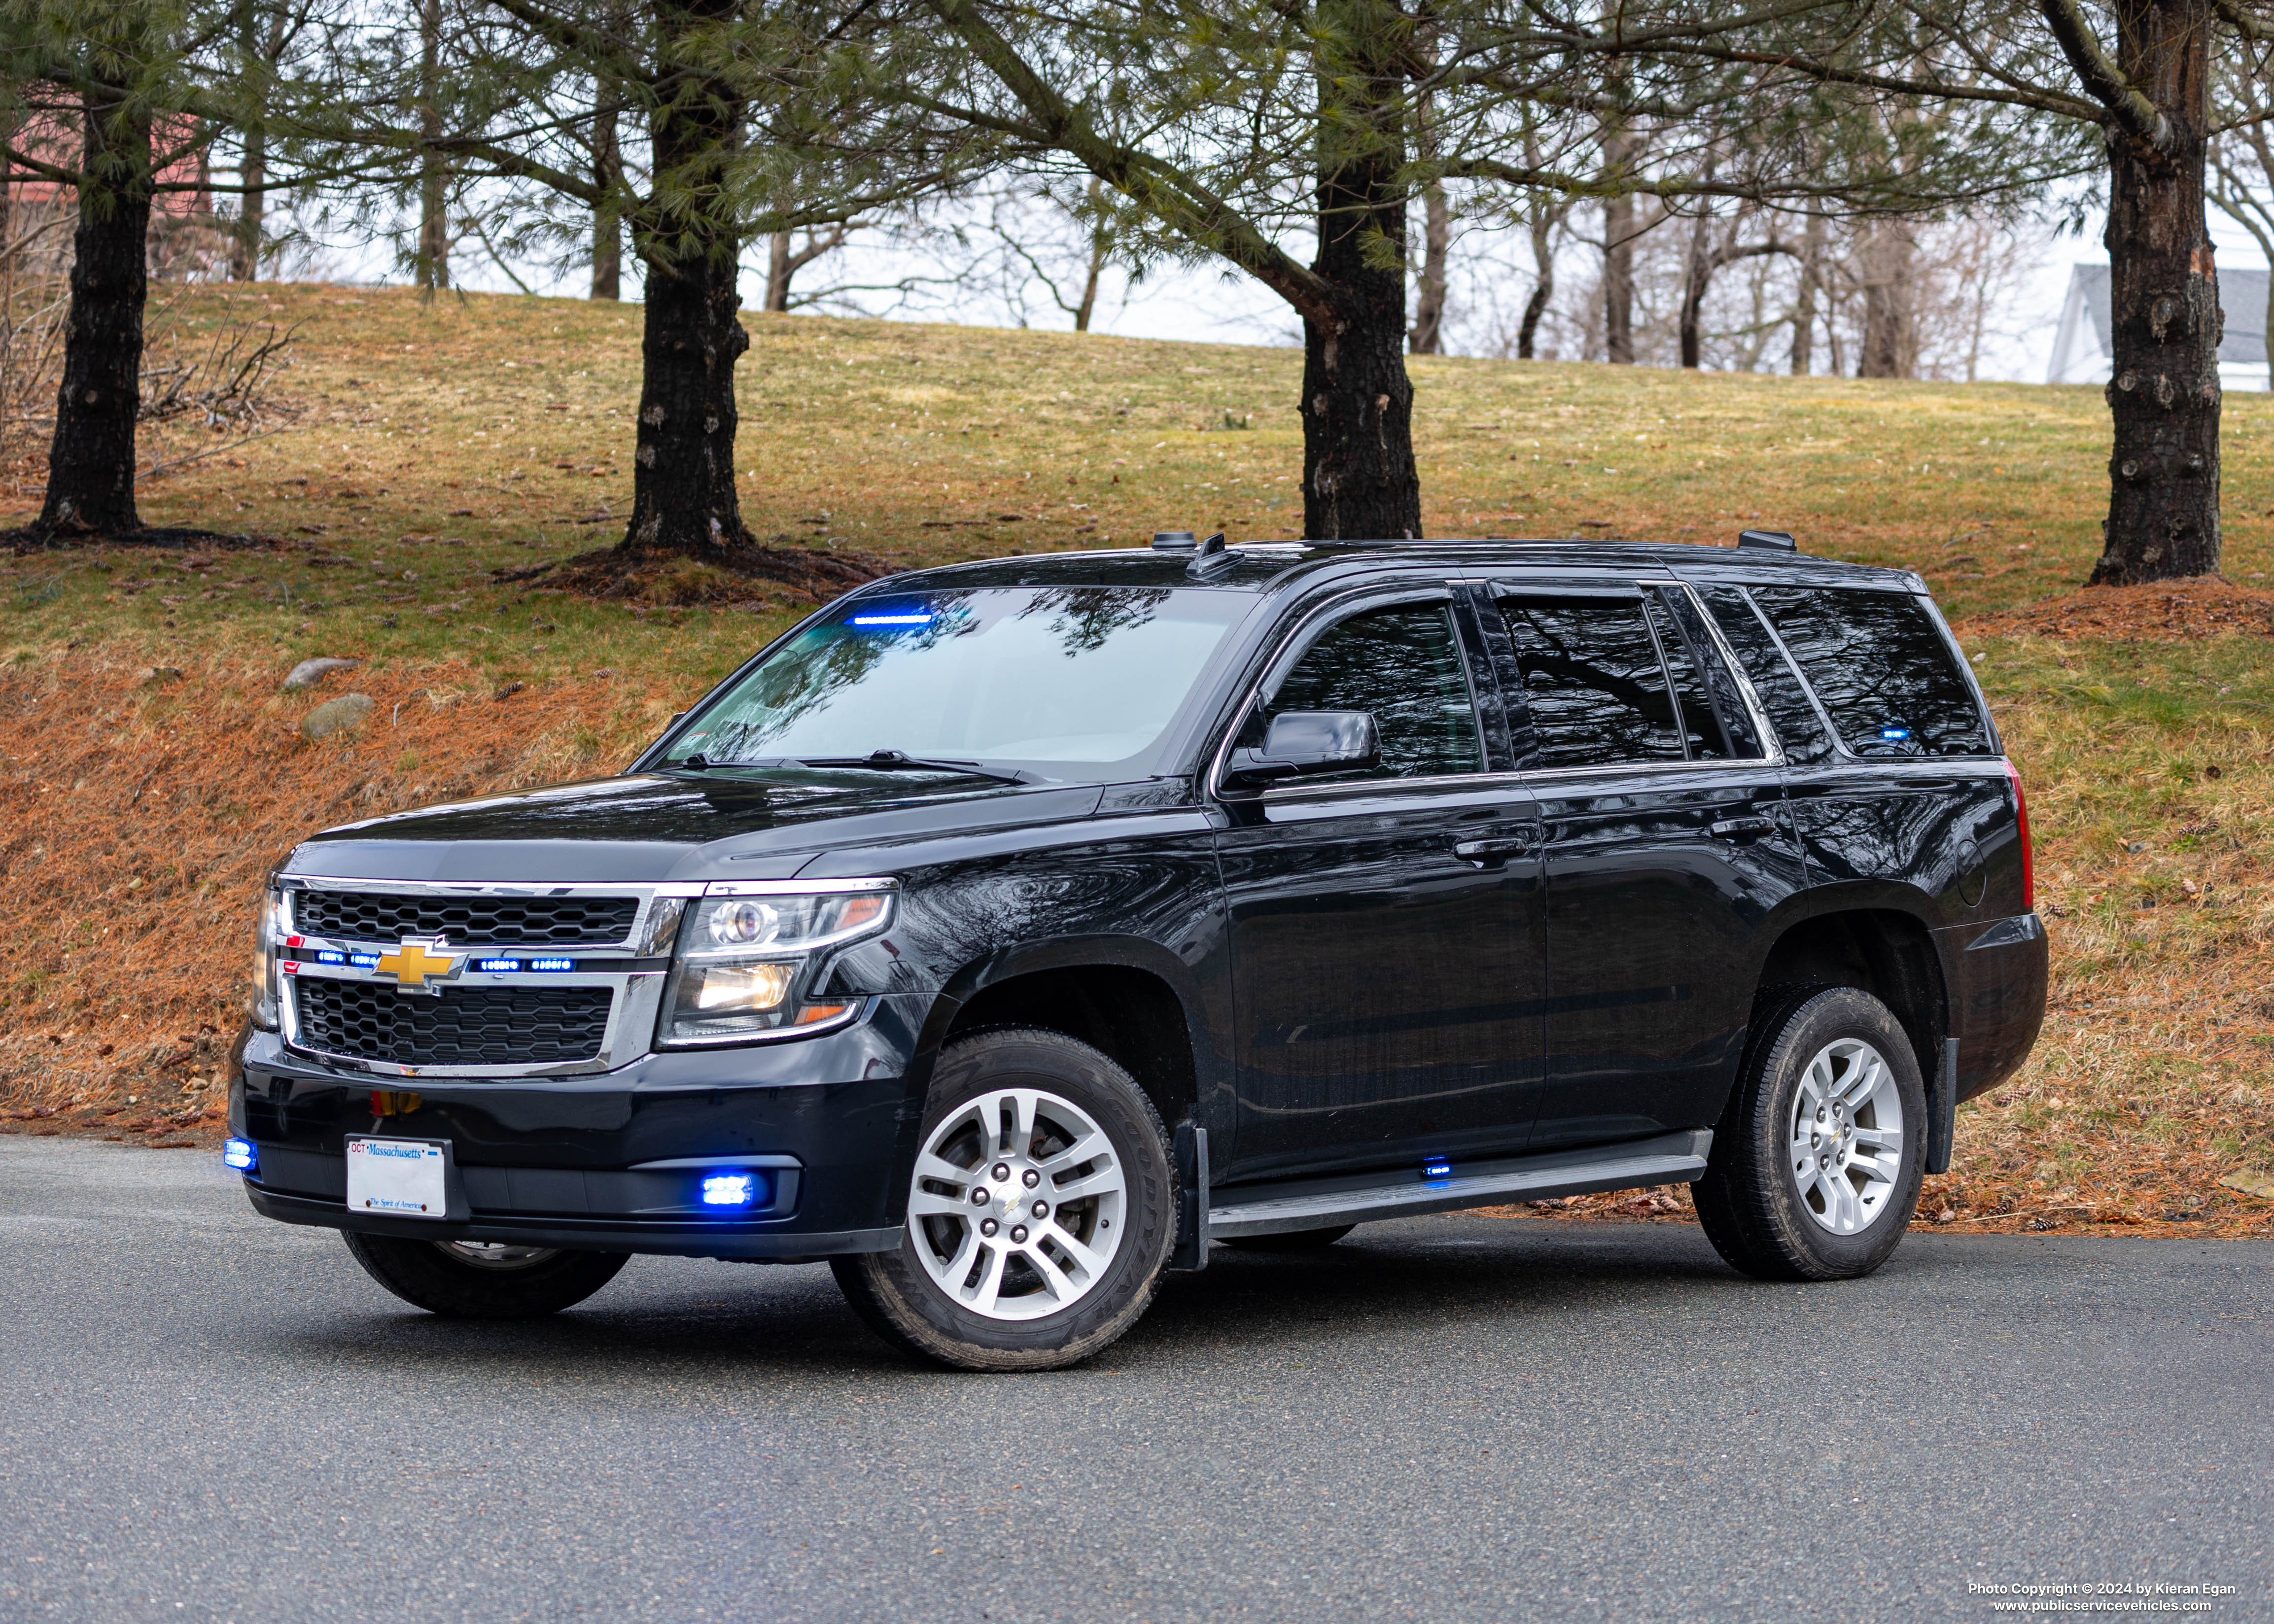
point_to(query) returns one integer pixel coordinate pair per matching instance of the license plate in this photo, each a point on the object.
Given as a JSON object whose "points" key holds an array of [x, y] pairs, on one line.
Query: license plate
{"points": [[402, 1177]]}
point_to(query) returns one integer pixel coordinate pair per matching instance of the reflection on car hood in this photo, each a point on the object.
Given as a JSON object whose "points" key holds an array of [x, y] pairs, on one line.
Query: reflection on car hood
{"points": [[649, 827]]}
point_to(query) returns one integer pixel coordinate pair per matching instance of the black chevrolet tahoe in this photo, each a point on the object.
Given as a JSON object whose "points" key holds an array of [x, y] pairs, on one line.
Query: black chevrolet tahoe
{"points": [[1010, 932]]}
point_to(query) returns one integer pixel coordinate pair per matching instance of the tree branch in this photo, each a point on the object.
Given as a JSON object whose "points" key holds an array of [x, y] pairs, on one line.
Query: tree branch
{"points": [[2102, 81]]}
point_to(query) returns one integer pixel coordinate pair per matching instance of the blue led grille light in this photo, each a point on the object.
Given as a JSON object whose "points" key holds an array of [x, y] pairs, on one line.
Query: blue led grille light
{"points": [[730, 1190], [1436, 1167], [501, 967], [551, 963], [368, 961], [331, 955], [241, 1154]]}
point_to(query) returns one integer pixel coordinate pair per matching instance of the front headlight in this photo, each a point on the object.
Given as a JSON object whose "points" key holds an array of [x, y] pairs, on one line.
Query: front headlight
{"points": [[749, 965], [268, 936]]}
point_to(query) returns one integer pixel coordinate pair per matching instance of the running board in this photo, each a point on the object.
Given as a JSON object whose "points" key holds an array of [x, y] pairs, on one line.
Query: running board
{"points": [[1317, 1204]]}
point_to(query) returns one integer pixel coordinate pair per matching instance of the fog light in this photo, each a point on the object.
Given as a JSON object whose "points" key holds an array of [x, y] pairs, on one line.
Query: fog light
{"points": [[240, 1154], [730, 1190]]}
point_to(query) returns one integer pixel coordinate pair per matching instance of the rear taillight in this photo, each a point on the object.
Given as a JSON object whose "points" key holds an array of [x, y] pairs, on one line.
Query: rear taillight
{"points": [[2028, 862]]}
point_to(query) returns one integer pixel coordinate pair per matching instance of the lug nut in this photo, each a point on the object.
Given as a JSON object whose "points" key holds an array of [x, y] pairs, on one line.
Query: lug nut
{"points": [[1819, 1113], [988, 1226], [1824, 1161], [1031, 1177], [1042, 1209], [1019, 1234], [1002, 1172], [979, 1198]]}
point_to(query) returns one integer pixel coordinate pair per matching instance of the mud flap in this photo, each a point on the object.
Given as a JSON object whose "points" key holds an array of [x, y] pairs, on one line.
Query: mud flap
{"points": [[1191, 1252], [1942, 1110]]}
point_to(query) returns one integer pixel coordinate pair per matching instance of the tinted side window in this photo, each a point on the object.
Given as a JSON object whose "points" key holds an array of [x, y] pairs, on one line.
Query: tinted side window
{"points": [[1880, 664], [1701, 729], [1403, 664], [1799, 729], [1591, 678]]}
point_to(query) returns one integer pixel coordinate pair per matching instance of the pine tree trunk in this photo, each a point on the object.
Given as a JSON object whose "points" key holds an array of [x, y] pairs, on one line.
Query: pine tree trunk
{"points": [[433, 258], [607, 213], [91, 464], [1360, 480], [1436, 241], [683, 500], [1618, 275], [779, 270], [244, 245], [2163, 508]]}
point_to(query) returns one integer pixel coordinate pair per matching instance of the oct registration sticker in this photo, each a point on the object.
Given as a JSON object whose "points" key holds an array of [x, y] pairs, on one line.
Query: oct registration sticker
{"points": [[402, 1176]]}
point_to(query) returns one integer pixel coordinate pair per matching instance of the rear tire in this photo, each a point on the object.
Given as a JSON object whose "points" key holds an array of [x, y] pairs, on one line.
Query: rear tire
{"points": [[463, 1280], [1040, 1210], [1815, 1169], [1295, 1240]]}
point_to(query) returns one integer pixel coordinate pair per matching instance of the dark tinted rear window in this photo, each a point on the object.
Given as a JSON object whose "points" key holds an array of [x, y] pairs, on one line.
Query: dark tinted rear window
{"points": [[1593, 681], [1798, 728], [1882, 668]]}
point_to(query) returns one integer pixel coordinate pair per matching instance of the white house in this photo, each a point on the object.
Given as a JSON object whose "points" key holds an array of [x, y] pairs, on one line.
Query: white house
{"points": [[2081, 347]]}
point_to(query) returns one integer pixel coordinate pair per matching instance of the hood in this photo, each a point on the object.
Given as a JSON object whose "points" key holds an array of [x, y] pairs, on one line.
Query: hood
{"points": [[646, 828]]}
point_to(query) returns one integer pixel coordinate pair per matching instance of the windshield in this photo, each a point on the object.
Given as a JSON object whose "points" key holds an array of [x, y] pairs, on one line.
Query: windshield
{"points": [[1074, 681]]}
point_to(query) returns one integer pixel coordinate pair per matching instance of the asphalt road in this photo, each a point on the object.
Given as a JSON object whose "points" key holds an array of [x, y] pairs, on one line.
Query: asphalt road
{"points": [[207, 1416]]}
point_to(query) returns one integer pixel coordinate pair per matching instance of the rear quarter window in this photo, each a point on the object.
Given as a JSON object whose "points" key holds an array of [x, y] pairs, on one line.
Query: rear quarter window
{"points": [[1882, 668]]}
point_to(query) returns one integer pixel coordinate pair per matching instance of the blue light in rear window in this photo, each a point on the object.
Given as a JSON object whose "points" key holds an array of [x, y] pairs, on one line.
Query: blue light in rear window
{"points": [[501, 967], [551, 963], [1895, 734]]}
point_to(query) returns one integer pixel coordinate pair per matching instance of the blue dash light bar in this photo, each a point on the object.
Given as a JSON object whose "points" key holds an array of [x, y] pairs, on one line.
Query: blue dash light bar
{"points": [[1436, 1167], [551, 963], [890, 620], [241, 1154], [730, 1190]]}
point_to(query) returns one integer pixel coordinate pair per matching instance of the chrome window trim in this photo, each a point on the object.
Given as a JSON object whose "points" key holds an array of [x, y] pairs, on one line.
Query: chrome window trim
{"points": [[1774, 755]]}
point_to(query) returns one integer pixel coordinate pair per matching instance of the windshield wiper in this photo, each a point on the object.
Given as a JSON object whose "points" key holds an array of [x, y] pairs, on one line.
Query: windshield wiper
{"points": [[700, 763], [901, 761]]}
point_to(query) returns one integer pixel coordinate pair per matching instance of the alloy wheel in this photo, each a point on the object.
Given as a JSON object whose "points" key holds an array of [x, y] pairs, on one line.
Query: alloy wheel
{"points": [[1018, 1203], [1847, 1138]]}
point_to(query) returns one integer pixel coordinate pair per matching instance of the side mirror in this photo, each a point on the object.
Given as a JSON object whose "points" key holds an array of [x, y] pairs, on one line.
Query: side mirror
{"points": [[1302, 743]]}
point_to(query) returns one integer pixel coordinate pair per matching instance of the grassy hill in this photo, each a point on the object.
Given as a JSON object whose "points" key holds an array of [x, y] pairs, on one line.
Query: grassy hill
{"points": [[151, 770]]}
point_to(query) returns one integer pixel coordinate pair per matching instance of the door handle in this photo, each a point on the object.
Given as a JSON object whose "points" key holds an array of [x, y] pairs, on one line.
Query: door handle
{"points": [[1742, 828], [1487, 854]]}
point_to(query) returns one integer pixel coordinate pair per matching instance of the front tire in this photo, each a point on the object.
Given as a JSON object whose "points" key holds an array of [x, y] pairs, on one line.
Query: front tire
{"points": [[472, 1279], [1814, 1169], [1040, 1210]]}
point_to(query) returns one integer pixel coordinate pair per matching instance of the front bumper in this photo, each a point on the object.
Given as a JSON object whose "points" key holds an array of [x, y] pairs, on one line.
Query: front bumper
{"points": [[830, 1121]]}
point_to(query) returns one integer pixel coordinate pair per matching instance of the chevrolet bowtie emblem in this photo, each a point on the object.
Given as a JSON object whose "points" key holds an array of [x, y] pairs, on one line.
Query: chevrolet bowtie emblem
{"points": [[416, 960]]}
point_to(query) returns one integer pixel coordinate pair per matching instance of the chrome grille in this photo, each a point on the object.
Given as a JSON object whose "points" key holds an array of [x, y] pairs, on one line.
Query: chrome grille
{"points": [[536, 922], [464, 1026]]}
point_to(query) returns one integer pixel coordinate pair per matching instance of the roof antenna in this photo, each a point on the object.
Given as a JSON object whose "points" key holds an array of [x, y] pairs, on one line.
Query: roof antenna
{"points": [[1213, 556], [1773, 541]]}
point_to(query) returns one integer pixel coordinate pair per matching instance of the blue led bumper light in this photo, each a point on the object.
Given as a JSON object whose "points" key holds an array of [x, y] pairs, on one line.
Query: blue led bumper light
{"points": [[242, 1155], [1436, 1167], [730, 1190]]}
